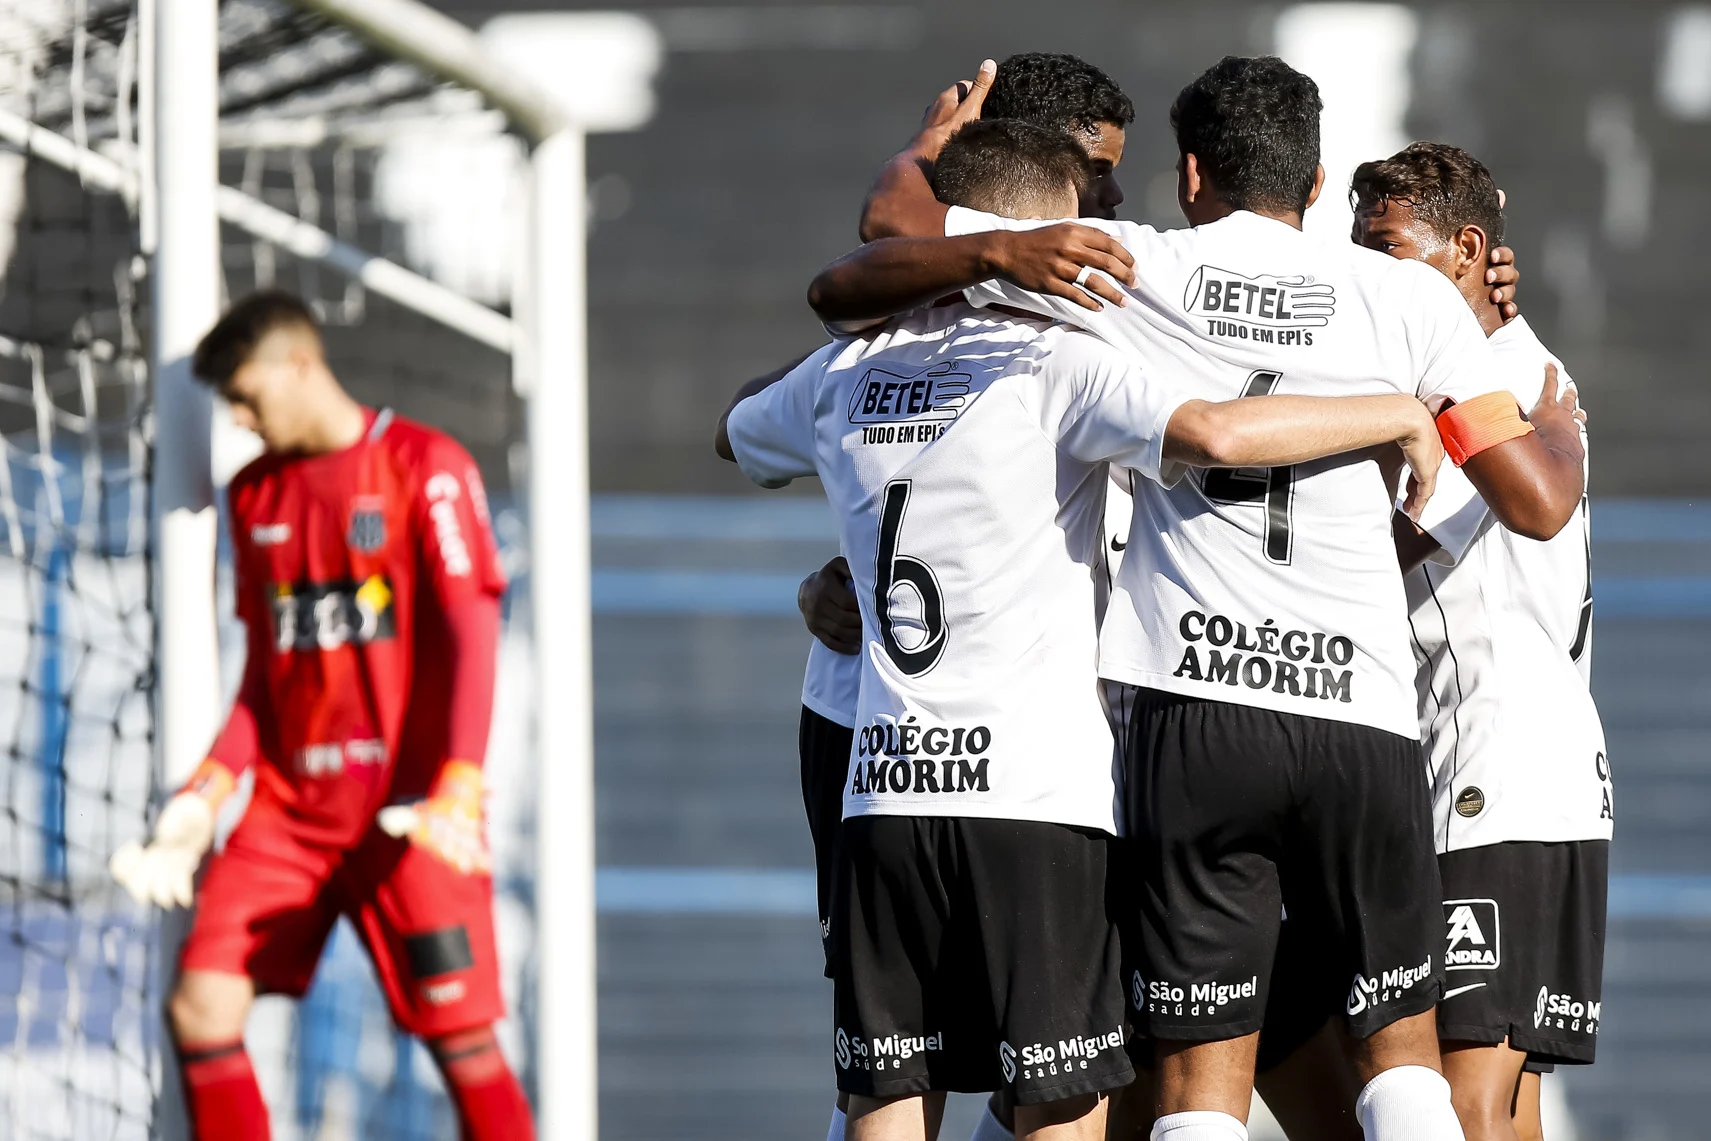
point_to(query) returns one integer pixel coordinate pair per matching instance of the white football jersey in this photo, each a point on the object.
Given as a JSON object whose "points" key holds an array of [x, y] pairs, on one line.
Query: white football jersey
{"points": [[1274, 587], [831, 683], [1504, 643], [964, 455]]}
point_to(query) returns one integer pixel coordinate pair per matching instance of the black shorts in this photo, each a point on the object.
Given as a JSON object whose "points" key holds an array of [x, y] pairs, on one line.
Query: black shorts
{"points": [[1306, 990], [1524, 946], [825, 749], [972, 955], [1235, 813]]}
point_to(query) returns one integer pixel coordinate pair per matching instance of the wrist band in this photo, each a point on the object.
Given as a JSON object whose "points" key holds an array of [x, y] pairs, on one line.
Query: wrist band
{"points": [[458, 779], [212, 781], [1472, 426]]}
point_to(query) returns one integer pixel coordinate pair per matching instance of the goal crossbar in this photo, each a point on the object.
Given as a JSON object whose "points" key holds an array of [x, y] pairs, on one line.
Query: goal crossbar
{"points": [[300, 238], [441, 46]]}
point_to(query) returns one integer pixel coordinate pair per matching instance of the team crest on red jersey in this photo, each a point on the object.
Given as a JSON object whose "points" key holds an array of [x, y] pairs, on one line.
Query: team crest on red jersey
{"points": [[368, 524]]}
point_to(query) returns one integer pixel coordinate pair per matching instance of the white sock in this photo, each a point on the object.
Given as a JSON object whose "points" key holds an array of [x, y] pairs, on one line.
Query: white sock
{"points": [[1199, 1125], [989, 1128], [1408, 1103], [835, 1131]]}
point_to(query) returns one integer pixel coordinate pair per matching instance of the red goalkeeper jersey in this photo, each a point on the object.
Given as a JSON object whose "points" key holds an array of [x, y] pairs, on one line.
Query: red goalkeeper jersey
{"points": [[352, 568]]}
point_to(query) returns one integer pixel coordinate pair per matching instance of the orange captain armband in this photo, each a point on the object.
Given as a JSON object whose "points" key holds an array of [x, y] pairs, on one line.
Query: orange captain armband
{"points": [[211, 781], [1471, 426]]}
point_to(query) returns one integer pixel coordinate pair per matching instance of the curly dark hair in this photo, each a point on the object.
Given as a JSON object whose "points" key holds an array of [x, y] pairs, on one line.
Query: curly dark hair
{"points": [[225, 347], [1446, 187], [1063, 92], [1253, 124], [1009, 167]]}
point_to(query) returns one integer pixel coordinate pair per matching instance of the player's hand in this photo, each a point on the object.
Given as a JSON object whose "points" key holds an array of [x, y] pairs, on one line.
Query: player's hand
{"points": [[1423, 451], [957, 104], [1504, 280], [164, 872], [829, 608], [1058, 260], [449, 824], [1558, 417]]}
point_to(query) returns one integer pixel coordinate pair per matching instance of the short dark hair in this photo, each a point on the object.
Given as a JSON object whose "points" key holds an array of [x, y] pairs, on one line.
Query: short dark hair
{"points": [[1446, 187], [1006, 166], [225, 347], [1063, 92], [1253, 124]]}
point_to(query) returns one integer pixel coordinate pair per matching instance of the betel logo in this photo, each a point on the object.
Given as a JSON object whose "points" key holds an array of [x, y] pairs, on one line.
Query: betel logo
{"points": [[938, 392], [1265, 301], [1474, 940]]}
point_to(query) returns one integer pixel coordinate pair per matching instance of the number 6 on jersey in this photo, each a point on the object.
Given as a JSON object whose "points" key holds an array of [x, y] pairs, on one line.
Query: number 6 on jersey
{"points": [[895, 578]]}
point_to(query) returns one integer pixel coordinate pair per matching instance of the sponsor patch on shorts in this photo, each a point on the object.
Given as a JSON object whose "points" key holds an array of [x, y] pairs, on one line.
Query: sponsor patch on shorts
{"points": [[1554, 1011], [1390, 986], [438, 952], [1472, 940]]}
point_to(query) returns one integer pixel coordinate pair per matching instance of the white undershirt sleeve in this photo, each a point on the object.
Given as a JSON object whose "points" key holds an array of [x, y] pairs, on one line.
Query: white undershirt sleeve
{"points": [[772, 432], [1453, 516]]}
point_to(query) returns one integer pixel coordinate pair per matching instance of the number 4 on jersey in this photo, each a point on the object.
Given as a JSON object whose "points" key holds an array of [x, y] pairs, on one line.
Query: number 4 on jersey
{"points": [[1274, 486], [891, 571]]}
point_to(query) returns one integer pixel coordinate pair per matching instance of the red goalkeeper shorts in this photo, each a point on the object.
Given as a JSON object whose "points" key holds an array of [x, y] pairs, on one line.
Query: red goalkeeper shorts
{"points": [[269, 901]]}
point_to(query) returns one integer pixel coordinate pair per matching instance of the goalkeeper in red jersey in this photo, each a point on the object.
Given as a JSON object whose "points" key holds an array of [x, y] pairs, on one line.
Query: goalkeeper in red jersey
{"points": [[368, 581]]}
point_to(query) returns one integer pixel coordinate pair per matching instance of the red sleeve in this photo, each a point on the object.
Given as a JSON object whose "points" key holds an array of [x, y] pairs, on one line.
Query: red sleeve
{"points": [[239, 743], [459, 558], [472, 625]]}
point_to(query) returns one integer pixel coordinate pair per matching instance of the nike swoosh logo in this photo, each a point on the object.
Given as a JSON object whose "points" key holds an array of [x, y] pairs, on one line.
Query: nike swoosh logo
{"points": [[1119, 546], [1462, 990]]}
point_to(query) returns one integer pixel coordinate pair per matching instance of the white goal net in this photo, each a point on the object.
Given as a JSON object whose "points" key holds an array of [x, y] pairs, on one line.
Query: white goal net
{"points": [[78, 1040]]}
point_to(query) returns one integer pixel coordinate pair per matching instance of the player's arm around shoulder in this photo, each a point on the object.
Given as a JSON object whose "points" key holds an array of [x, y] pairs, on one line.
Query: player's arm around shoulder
{"points": [[901, 201], [1063, 263], [1530, 468], [1527, 466], [1273, 431]]}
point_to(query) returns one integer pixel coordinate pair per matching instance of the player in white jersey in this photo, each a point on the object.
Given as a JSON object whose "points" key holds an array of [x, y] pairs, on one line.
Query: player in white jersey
{"points": [[1055, 91], [1502, 626], [965, 452], [1273, 755]]}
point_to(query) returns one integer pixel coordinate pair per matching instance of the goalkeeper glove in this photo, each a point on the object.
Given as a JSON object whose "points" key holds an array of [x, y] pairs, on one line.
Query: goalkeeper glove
{"points": [[448, 825], [164, 872]]}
